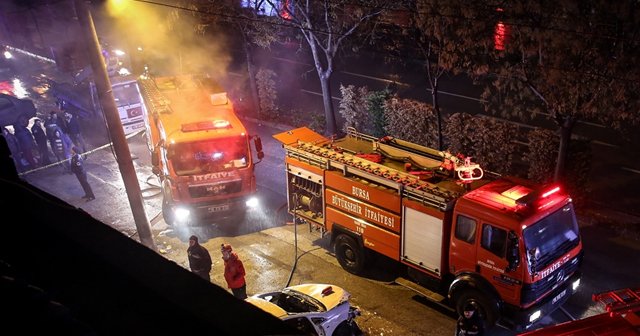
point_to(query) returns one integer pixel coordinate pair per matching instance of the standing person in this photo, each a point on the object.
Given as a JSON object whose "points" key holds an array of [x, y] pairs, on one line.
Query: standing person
{"points": [[61, 145], [74, 131], [53, 121], [234, 272], [14, 148], [470, 323], [41, 139], [199, 258], [77, 167], [26, 141]]}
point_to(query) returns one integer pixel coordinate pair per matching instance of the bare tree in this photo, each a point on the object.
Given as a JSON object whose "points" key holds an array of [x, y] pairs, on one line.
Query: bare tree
{"points": [[325, 25], [568, 61], [445, 37]]}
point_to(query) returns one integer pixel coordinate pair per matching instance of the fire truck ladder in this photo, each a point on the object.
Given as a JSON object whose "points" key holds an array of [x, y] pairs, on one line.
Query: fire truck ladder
{"points": [[155, 99], [397, 144], [620, 301], [405, 184]]}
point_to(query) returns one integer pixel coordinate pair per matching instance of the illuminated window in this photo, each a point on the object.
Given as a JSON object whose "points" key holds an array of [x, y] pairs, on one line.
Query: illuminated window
{"points": [[264, 8], [499, 36], [261, 6]]}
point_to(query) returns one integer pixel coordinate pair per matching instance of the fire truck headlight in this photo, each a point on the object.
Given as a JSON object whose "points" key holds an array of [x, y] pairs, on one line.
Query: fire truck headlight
{"points": [[534, 316], [182, 214], [575, 284], [252, 202]]}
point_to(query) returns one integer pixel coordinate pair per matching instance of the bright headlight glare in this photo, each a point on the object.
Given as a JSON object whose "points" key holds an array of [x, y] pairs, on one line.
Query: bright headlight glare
{"points": [[576, 284], [182, 214], [534, 316], [252, 202]]}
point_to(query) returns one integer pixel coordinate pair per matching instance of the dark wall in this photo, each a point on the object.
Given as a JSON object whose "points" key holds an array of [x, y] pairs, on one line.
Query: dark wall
{"points": [[63, 271]]}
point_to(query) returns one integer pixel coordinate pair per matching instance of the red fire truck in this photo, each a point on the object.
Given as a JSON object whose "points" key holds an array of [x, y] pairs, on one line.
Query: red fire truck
{"points": [[199, 148], [511, 247], [620, 319]]}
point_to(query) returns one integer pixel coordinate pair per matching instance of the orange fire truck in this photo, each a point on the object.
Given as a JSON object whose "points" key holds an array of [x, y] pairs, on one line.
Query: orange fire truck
{"points": [[622, 317], [199, 148], [511, 247]]}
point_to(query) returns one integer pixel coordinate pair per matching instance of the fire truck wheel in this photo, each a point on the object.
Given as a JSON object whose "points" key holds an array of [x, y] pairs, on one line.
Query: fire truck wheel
{"points": [[166, 212], [349, 254], [486, 306]]}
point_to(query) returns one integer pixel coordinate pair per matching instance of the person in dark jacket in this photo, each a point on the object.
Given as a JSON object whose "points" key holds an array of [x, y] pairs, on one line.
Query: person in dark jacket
{"points": [[54, 121], [41, 139], [74, 131], [234, 272], [61, 145], [26, 140], [199, 259], [77, 167], [470, 323], [14, 147]]}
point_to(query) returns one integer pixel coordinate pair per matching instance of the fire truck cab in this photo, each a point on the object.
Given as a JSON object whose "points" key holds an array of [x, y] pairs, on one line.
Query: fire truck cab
{"points": [[200, 149], [508, 246]]}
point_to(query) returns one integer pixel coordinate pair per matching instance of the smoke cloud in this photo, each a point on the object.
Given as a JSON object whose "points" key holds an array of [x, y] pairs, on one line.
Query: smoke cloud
{"points": [[171, 39]]}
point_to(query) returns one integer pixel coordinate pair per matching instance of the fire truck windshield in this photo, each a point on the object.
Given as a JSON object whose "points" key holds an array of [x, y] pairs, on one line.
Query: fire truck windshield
{"points": [[209, 156], [550, 238]]}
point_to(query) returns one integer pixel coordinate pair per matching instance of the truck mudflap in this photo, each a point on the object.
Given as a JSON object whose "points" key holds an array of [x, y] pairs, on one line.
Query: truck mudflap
{"points": [[518, 319]]}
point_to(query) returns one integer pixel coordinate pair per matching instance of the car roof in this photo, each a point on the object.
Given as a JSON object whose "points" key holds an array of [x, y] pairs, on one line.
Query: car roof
{"points": [[330, 300]]}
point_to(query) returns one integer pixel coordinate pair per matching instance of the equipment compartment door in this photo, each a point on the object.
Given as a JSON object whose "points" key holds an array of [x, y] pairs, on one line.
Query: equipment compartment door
{"points": [[422, 240]]}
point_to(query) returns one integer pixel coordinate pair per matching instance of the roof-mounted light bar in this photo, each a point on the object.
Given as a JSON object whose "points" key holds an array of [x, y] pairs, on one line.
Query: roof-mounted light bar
{"points": [[551, 192], [206, 125], [539, 194]]}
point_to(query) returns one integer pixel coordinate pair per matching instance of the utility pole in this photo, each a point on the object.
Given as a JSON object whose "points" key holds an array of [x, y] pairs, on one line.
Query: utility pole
{"points": [[121, 148]]}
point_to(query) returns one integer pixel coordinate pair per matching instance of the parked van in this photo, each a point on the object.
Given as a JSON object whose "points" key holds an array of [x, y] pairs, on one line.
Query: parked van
{"points": [[129, 103]]}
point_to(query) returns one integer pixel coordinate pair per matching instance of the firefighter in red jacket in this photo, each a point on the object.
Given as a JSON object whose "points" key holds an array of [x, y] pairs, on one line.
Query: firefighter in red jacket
{"points": [[234, 272]]}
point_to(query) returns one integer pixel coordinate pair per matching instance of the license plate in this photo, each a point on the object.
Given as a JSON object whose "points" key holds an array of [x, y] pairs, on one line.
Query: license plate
{"points": [[559, 296], [218, 208]]}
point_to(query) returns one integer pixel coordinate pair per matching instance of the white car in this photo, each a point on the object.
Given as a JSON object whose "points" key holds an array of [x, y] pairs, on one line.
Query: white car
{"points": [[314, 309]]}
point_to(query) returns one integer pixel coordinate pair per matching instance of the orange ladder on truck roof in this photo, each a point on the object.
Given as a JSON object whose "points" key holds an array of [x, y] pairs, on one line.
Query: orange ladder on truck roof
{"points": [[618, 302]]}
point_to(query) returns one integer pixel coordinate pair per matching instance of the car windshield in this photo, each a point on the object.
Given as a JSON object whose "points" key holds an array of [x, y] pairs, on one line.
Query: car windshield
{"points": [[297, 302], [551, 237], [211, 156]]}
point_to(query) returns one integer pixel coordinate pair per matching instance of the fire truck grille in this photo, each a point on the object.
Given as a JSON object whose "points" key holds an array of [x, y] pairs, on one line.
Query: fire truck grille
{"points": [[215, 189], [533, 291]]}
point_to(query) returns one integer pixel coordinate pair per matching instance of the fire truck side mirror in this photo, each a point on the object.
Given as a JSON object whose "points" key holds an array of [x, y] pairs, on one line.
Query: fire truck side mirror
{"points": [[258, 143], [513, 252]]}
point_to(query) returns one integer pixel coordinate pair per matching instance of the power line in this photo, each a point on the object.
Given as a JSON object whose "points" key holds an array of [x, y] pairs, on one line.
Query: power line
{"points": [[325, 32], [487, 9], [237, 17]]}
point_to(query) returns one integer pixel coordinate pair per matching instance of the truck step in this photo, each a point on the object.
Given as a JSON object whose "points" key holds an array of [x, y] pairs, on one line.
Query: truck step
{"points": [[432, 296]]}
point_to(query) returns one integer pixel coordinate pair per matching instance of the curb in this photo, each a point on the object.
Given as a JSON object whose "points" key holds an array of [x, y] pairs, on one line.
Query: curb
{"points": [[280, 126]]}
